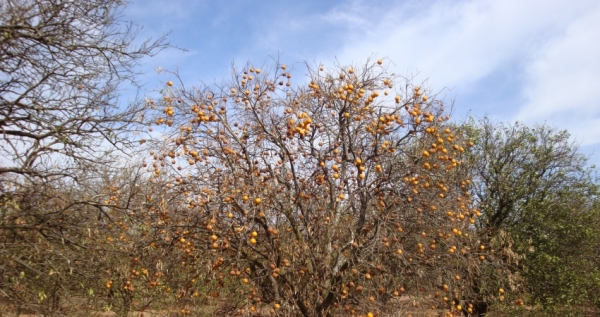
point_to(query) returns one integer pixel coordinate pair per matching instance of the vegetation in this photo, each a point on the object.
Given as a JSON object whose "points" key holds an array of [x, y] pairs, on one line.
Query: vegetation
{"points": [[533, 184], [62, 131], [351, 193], [337, 195]]}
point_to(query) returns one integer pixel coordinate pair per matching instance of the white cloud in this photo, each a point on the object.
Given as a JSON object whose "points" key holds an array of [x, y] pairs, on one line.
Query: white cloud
{"points": [[549, 46], [458, 43], [562, 82]]}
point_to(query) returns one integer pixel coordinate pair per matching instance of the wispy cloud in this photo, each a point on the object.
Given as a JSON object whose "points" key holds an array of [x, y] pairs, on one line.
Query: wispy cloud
{"points": [[562, 81], [534, 61], [547, 47]]}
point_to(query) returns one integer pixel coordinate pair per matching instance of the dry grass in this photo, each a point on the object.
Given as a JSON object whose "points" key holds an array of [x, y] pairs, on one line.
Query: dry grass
{"points": [[404, 306]]}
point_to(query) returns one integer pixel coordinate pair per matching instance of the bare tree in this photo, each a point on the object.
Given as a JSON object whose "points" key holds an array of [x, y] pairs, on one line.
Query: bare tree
{"points": [[61, 65]]}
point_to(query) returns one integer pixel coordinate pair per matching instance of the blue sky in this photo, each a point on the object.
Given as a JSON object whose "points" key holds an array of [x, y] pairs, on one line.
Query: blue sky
{"points": [[533, 61]]}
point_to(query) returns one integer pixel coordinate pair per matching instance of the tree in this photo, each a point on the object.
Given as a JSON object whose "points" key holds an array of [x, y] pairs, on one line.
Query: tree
{"points": [[339, 195], [61, 63], [533, 184]]}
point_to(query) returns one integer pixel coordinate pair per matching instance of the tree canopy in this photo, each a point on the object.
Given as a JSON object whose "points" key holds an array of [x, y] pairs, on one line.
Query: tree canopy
{"points": [[62, 63]]}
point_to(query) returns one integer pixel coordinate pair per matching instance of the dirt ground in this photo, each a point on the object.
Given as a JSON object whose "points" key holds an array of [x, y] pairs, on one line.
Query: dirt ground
{"points": [[407, 306]]}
